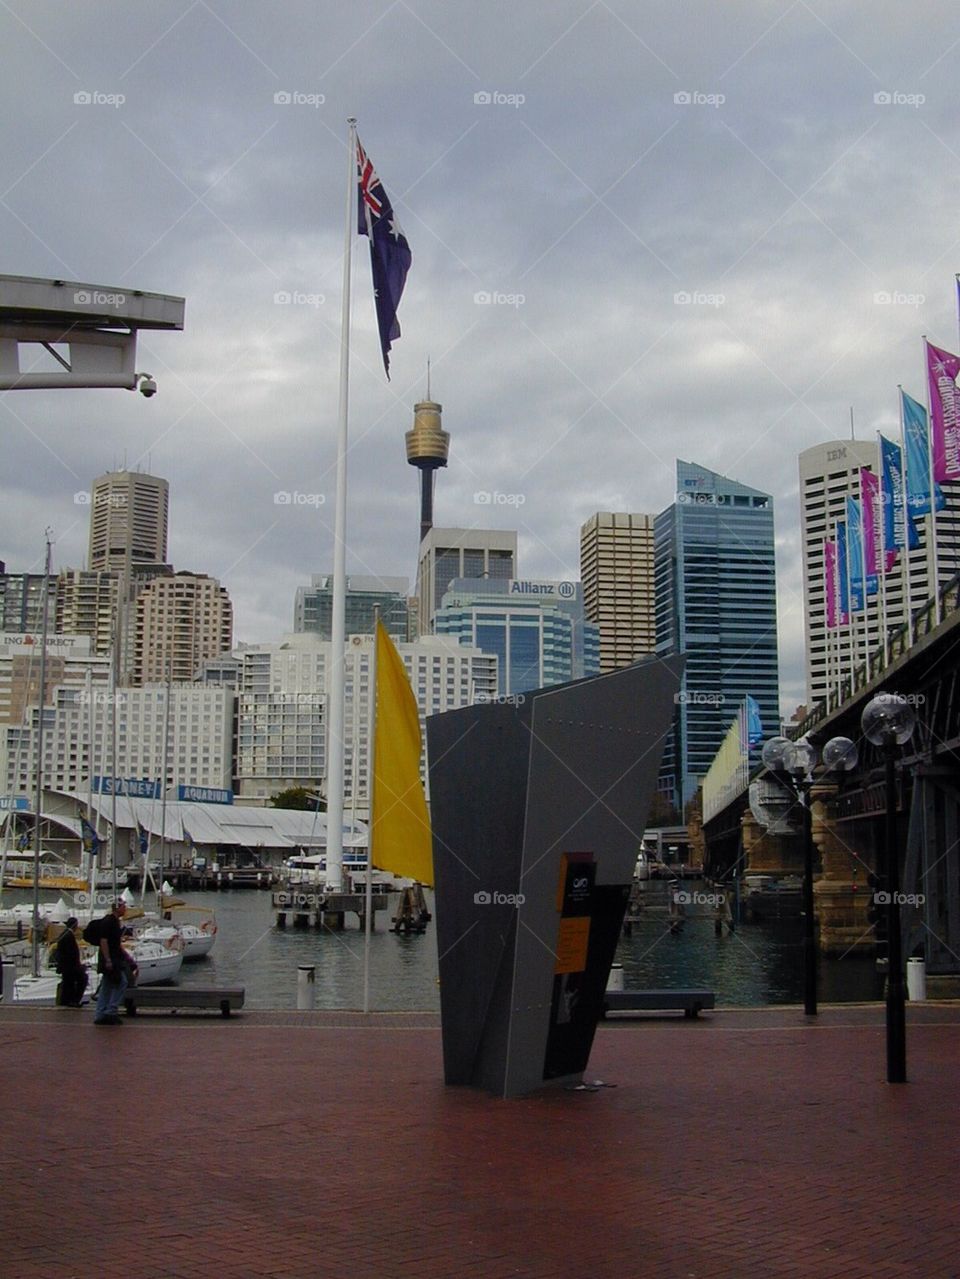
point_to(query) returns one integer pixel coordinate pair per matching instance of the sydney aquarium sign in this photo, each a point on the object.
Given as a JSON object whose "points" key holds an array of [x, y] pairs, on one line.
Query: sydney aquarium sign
{"points": [[205, 795], [132, 787]]}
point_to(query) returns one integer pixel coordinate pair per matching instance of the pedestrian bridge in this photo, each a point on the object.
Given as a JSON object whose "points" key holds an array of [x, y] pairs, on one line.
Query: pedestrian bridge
{"points": [[849, 810]]}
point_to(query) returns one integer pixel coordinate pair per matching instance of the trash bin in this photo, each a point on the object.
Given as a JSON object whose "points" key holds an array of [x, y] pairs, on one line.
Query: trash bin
{"points": [[916, 980]]}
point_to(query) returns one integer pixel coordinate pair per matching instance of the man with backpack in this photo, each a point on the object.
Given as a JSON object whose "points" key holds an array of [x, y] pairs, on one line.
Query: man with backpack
{"points": [[112, 963], [67, 962]]}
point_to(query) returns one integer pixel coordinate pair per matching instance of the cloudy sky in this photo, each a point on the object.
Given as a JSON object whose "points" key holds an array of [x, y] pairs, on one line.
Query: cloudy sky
{"points": [[707, 231]]}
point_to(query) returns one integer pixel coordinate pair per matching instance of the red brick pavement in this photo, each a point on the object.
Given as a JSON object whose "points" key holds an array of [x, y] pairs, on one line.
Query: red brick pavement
{"points": [[741, 1145]]}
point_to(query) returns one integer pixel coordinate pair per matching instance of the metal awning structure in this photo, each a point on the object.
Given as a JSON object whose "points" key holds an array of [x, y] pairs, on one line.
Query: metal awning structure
{"points": [[89, 329]]}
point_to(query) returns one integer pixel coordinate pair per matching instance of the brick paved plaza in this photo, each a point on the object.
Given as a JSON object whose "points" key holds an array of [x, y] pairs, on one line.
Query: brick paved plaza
{"points": [[322, 1144]]}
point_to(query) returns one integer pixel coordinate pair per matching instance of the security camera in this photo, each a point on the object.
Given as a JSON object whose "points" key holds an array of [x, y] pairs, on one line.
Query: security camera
{"points": [[147, 385]]}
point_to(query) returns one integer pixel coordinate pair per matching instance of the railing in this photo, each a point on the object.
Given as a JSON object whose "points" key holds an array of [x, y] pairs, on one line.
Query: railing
{"points": [[899, 643]]}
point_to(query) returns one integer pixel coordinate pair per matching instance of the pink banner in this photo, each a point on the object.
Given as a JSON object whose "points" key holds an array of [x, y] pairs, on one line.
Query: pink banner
{"points": [[830, 581], [942, 369], [869, 501]]}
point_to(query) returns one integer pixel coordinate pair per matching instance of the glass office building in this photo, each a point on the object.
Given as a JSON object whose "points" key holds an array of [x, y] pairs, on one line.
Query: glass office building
{"points": [[537, 629], [716, 603], [313, 608]]}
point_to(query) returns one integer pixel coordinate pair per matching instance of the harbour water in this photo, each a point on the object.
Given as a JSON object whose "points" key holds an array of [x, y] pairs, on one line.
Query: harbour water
{"points": [[760, 963]]}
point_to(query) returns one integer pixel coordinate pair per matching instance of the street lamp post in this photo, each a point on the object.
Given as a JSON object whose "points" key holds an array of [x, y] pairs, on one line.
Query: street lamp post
{"points": [[888, 721], [794, 763]]}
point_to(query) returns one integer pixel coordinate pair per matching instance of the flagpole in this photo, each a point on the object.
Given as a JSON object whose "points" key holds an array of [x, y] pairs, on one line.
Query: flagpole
{"points": [[882, 557], [337, 624], [372, 791], [39, 780], [933, 548], [905, 574]]}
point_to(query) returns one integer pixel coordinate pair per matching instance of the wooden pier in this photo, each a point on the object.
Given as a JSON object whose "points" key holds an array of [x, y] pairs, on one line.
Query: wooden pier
{"points": [[308, 908]]}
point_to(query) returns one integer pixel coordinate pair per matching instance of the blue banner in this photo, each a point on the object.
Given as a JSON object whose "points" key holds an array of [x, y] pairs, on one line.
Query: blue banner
{"points": [[892, 487], [843, 576], [916, 434], [855, 554]]}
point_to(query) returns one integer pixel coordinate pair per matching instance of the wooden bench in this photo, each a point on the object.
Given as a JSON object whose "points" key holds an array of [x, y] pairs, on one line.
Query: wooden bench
{"points": [[690, 1002], [173, 998]]}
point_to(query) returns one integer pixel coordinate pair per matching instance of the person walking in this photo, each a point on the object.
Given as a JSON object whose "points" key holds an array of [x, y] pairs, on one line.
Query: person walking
{"points": [[67, 961], [113, 964]]}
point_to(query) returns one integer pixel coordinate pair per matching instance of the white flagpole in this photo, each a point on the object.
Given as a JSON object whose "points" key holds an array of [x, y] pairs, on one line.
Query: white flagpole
{"points": [[932, 548], [882, 558], [337, 623], [371, 790], [907, 588]]}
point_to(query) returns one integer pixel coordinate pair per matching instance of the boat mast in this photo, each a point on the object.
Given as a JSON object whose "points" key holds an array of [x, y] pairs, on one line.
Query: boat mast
{"points": [[166, 769]]}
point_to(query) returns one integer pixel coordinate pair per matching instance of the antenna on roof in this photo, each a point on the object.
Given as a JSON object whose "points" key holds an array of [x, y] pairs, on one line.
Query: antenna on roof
{"points": [[852, 436], [428, 377]]}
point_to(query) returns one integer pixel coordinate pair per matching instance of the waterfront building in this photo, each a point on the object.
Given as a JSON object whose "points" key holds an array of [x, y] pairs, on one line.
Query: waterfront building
{"points": [[616, 565], [281, 717], [829, 474], [180, 619], [536, 629], [196, 734], [313, 609], [128, 521], [716, 603], [446, 553]]}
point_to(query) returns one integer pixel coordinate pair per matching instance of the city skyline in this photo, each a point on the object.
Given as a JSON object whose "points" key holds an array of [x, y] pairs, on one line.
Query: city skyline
{"points": [[675, 249]]}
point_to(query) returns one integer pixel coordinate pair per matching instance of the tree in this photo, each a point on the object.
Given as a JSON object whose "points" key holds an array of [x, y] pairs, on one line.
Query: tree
{"points": [[298, 797]]}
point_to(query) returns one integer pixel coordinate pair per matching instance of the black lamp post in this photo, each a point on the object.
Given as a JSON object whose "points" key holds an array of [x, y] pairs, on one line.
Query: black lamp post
{"points": [[888, 721], [794, 762]]}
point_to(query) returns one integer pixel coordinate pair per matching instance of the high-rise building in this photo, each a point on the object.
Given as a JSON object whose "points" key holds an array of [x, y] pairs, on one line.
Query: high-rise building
{"points": [[282, 723], [86, 605], [446, 553], [716, 603], [181, 619], [21, 602], [365, 596], [536, 629], [616, 565], [128, 521], [195, 737], [829, 474]]}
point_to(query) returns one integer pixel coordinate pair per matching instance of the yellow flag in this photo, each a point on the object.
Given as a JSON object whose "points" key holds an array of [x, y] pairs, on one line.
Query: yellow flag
{"points": [[400, 830]]}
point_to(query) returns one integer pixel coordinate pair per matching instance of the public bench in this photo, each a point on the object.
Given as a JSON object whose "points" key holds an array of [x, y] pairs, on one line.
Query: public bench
{"points": [[173, 998], [689, 1002]]}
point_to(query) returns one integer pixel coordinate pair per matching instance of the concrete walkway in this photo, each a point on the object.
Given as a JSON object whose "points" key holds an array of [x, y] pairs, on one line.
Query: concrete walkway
{"points": [[282, 1144]]}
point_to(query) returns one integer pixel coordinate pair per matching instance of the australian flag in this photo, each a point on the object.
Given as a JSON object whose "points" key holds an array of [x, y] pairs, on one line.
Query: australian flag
{"points": [[389, 252]]}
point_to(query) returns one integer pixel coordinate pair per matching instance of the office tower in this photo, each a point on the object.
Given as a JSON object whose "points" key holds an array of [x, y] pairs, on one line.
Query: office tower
{"points": [[86, 605], [181, 619], [428, 447], [128, 521], [21, 602], [716, 604], [829, 474], [313, 608], [446, 553], [536, 629], [616, 565]]}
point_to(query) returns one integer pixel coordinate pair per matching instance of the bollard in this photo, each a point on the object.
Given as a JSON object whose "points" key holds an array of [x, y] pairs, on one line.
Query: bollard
{"points": [[615, 980], [306, 986], [9, 977], [916, 980]]}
